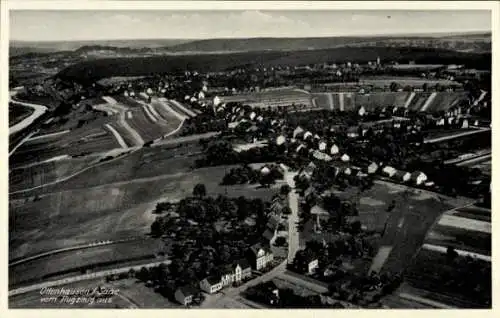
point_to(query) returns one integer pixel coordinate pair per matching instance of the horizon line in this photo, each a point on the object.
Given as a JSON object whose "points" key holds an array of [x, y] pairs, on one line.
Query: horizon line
{"points": [[416, 34]]}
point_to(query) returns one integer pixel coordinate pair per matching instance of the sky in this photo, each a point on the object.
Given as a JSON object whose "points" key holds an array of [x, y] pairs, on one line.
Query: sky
{"points": [[113, 25]]}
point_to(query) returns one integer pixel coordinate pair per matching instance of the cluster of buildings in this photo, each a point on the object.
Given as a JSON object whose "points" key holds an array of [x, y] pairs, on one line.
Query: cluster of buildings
{"points": [[259, 257]]}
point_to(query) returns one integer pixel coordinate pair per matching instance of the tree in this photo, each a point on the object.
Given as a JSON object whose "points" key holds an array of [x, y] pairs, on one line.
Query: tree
{"points": [[199, 190], [285, 189], [394, 87]]}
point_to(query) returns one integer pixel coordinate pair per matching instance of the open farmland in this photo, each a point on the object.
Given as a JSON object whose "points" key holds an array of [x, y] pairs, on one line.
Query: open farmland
{"points": [[87, 139], [105, 208], [71, 262], [445, 100], [272, 98], [430, 270], [38, 174], [385, 81], [418, 101], [18, 112], [403, 229], [386, 99]]}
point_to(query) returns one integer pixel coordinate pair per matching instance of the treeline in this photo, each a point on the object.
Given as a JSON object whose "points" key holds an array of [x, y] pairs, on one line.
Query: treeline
{"points": [[134, 66]]}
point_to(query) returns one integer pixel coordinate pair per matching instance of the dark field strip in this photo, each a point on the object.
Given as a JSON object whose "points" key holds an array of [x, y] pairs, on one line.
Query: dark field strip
{"points": [[430, 266]]}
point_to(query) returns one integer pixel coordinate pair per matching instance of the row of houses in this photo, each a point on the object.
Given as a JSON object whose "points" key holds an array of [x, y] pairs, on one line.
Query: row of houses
{"points": [[259, 256]]}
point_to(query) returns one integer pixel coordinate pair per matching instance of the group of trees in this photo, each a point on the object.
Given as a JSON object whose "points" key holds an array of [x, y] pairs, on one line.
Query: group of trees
{"points": [[204, 235]]}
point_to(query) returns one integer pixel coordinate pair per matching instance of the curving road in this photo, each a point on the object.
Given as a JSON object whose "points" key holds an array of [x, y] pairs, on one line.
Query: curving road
{"points": [[39, 110]]}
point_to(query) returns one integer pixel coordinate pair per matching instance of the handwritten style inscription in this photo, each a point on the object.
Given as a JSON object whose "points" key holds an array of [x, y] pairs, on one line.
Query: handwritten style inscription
{"points": [[72, 296]]}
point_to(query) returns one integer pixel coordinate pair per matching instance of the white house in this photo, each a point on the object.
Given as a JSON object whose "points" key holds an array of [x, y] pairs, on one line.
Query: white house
{"points": [[211, 285], [347, 171], [252, 115], [260, 118], [372, 168], [187, 97], [201, 95], [334, 150], [465, 124], [280, 140], [418, 177], [265, 170], [322, 146], [217, 100], [345, 158], [149, 91], [307, 135], [312, 265], [389, 171], [361, 111], [297, 131]]}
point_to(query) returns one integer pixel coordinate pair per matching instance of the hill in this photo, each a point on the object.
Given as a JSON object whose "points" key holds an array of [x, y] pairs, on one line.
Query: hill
{"points": [[468, 42], [93, 70]]}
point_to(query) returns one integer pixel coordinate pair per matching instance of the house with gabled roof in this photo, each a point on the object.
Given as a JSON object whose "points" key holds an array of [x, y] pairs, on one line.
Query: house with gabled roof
{"points": [[185, 294], [418, 177], [211, 284], [260, 256]]}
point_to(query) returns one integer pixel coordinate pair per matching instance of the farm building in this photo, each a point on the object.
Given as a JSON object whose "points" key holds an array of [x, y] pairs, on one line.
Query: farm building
{"points": [[297, 133], [389, 171], [418, 177], [345, 158], [372, 168], [184, 295], [211, 285], [334, 150]]}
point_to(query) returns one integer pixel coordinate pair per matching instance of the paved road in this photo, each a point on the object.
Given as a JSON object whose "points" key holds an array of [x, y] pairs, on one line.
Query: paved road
{"points": [[104, 273], [293, 218], [39, 110], [467, 133]]}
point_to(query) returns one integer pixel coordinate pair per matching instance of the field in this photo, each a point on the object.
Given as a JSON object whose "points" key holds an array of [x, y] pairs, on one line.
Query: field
{"points": [[385, 81], [485, 167], [273, 98], [17, 113], [38, 174], [467, 229], [342, 101], [87, 139], [111, 200], [444, 100], [418, 101], [70, 262], [389, 99], [430, 264], [403, 229]]}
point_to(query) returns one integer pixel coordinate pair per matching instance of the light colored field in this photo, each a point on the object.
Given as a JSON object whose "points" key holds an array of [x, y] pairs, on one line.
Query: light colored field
{"points": [[49, 171], [106, 210], [465, 223]]}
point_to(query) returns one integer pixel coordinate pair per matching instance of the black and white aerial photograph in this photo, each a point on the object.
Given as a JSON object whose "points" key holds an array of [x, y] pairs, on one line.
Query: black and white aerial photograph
{"points": [[249, 158]]}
